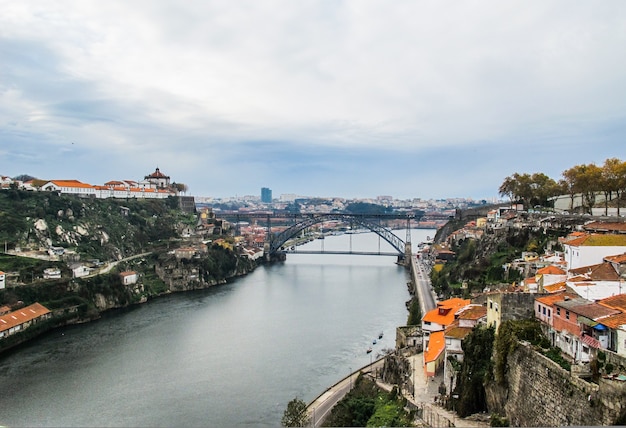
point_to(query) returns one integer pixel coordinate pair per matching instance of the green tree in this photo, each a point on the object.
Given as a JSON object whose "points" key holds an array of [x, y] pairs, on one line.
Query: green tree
{"points": [[295, 414], [613, 181]]}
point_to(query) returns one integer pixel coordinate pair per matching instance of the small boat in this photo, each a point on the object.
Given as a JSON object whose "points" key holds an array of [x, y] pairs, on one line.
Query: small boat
{"points": [[374, 342], [380, 335], [368, 350]]}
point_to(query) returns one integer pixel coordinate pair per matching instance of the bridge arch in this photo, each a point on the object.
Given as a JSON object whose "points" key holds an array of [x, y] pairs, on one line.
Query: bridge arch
{"points": [[278, 241]]}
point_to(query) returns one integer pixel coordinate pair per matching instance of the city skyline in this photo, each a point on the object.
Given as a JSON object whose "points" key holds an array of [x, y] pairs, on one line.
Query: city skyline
{"points": [[349, 99]]}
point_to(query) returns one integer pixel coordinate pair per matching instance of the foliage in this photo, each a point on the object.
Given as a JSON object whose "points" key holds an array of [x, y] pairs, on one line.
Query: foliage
{"points": [[415, 312], [367, 405], [498, 421], [295, 414], [507, 340], [475, 371]]}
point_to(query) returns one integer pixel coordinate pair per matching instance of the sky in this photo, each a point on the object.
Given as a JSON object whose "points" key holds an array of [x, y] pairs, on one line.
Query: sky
{"points": [[329, 98]]}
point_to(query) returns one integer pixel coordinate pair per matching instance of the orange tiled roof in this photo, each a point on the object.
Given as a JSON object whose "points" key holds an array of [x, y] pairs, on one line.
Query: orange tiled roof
{"points": [[472, 312], [614, 321], [606, 226], [615, 302], [444, 312], [556, 287], [551, 270], [71, 183], [556, 297], [620, 258], [436, 345], [22, 315], [599, 272]]}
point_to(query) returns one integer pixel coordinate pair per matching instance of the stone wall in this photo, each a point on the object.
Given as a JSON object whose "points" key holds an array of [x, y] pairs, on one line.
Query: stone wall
{"points": [[540, 393]]}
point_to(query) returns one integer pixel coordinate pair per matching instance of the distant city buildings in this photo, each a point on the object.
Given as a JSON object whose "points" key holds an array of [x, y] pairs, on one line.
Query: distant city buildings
{"points": [[266, 195]]}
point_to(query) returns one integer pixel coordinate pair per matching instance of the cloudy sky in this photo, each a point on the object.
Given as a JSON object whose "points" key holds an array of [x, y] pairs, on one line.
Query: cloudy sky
{"points": [[352, 98]]}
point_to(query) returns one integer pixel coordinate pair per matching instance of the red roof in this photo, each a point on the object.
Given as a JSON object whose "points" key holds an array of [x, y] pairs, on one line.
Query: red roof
{"points": [[21, 316]]}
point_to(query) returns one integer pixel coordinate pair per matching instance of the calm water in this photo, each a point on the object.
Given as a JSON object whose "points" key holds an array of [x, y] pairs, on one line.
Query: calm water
{"points": [[232, 355]]}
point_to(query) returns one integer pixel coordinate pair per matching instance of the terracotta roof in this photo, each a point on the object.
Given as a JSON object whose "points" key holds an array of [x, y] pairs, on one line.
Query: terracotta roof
{"points": [[472, 312], [436, 345], [456, 332], [594, 311], [444, 312], [620, 258], [157, 174], [551, 270], [70, 183], [614, 321], [21, 316], [606, 226], [554, 288], [615, 302], [598, 240], [128, 273], [550, 299], [600, 272]]}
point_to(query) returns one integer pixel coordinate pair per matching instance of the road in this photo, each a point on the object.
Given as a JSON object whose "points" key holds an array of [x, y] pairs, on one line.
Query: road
{"points": [[423, 286], [319, 408]]}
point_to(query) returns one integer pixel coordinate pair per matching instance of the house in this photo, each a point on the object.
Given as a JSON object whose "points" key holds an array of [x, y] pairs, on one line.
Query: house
{"points": [[184, 252], [544, 311], [79, 270], [21, 319], [52, 273], [508, 305], [3, 278], [549, 275], [443, 315], [434, 353], [73, 187], [578, 328], [591, 249], [466, 319], [596, 282], [129, 277], [616, 323]]}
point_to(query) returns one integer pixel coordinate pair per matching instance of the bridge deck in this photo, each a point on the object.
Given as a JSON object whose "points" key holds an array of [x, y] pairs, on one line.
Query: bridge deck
{"points": [[359, 253]]}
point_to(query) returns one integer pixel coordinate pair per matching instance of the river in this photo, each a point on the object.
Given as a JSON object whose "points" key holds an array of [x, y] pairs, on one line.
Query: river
{"points": [[231, 355]]}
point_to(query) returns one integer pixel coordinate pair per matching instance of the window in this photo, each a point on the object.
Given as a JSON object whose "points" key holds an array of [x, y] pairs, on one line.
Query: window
{"points": [[491, 304], [558, 311], [566, 315], [426, 322], [548, 313], [544, 310]]}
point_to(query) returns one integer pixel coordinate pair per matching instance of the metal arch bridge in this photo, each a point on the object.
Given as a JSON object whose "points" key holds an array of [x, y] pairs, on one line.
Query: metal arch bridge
{"points": [[275, 242], [368, 222]]}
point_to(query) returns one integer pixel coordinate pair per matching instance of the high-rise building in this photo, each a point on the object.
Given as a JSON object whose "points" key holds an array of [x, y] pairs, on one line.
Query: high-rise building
{"points": [[266, 195]]}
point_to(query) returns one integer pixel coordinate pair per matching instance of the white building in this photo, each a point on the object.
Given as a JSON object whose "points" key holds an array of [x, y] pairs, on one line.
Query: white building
{"points": [[591, 249], [3, 279]]}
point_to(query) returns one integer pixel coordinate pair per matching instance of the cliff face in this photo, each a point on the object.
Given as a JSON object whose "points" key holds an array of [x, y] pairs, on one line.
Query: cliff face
{"points": [[540, 393]]}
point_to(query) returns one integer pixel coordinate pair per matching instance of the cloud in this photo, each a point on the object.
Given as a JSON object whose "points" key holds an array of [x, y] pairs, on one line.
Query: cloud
{"points": [[315, 89]]}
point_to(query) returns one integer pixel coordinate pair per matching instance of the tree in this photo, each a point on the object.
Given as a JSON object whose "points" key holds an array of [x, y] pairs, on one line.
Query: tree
{"points": [[295, 414], [613, 181]]}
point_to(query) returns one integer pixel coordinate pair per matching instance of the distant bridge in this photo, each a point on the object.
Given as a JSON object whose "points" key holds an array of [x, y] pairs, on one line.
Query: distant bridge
{"points": [[297, 222]]}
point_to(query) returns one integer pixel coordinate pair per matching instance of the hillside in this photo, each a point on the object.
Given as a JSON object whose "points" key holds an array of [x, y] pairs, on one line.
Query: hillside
{"points": [[45, 231]]}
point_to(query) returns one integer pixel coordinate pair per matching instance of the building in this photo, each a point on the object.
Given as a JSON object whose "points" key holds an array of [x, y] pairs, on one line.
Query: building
{"points": [[591, 249], [3, 278], [128, 277], [19, 320], [158, 180], [266, 195]]}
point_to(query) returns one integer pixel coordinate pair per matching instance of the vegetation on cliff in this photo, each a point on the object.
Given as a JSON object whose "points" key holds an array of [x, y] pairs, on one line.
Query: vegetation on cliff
{"points": [[368, 405]]}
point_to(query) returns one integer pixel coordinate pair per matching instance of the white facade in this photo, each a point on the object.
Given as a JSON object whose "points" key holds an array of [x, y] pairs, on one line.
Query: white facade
{"points": [[587, 255], [2, 280]]}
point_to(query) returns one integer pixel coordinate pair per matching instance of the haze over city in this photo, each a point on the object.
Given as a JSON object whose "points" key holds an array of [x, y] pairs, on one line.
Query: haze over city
{"points": [[319, 98]]}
